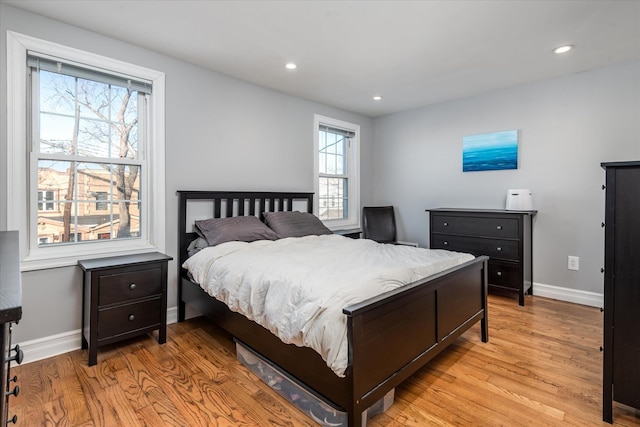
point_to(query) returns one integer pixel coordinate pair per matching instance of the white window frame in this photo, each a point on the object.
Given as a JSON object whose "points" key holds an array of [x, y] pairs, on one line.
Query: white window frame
{"points": [[353, 173], [19, 188]]}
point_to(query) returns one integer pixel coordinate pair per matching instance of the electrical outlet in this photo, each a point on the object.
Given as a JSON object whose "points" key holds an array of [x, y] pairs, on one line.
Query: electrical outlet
{"points": [[573, 263]]}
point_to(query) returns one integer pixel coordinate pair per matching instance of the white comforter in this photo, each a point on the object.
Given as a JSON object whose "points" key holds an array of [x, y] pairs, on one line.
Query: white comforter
{"points": [[297, 287]]}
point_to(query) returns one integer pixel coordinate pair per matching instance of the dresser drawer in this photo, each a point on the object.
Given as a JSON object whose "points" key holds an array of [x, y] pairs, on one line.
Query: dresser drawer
{"points": [[506, 228], [505, 274], [494, 248], [125, 286], [128, 318]]}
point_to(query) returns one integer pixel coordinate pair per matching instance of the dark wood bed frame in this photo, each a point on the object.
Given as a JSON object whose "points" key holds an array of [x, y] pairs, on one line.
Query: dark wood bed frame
{"points": [[390, 336]]}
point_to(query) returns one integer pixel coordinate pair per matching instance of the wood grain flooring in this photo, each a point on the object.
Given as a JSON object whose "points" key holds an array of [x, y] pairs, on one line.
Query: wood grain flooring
{"points": [[541, 367]]}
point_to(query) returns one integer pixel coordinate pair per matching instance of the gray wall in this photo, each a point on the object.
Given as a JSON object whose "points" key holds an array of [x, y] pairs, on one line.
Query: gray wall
{"points": [[221, 133], [567, 125]]}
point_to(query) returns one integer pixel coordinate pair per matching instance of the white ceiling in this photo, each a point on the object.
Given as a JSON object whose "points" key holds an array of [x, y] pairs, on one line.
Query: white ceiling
{"points": [[413, 53]]}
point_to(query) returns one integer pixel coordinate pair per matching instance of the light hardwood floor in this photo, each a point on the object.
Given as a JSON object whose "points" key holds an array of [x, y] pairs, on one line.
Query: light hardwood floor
{"points": [[542, 366]]}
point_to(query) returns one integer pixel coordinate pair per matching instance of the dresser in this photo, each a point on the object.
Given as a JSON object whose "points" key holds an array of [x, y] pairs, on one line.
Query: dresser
{"points": [[123, 297], [10, 313], [621, 359], [504, 236]]}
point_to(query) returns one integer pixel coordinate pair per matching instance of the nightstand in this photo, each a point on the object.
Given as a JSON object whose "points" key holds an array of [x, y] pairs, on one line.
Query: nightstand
{"points": [[123, 296], [353, 233]]}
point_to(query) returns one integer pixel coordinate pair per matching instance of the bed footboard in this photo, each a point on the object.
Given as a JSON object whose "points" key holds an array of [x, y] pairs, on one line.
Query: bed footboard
{"points": [[395, 334]]}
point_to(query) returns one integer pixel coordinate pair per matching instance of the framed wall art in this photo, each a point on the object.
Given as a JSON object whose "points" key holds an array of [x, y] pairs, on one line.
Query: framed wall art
{"points": [[490, 151]]}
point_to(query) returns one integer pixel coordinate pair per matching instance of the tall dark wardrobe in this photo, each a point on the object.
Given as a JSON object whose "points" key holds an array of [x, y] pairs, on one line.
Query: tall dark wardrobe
{"points": [[621, 368]]}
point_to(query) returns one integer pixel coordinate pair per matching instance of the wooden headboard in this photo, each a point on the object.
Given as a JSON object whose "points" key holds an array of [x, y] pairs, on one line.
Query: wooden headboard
{"points": [[196, 205]]}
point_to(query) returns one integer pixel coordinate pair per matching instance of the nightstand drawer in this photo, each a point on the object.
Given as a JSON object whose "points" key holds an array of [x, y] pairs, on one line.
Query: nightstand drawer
{"points": [[475, 226], [128, 318], [494, 248], [505, 274], [125, 286]]}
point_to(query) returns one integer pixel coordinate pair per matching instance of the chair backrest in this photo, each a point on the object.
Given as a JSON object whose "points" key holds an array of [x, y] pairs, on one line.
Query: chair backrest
{"points": [[379, 224]]}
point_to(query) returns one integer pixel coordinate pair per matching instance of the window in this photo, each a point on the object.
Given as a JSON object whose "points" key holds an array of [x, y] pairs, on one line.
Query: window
{"points": [[87, 143], [337, 172], [93, 131], [101, 204], [46, 201]]}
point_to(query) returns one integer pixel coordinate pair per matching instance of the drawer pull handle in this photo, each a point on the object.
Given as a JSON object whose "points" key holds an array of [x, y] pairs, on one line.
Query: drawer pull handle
{"points": [[13, 420], [499, 249], [132, 286], [132, 317], [446, 243], [499, 273], [499, 227], [446, 224]]}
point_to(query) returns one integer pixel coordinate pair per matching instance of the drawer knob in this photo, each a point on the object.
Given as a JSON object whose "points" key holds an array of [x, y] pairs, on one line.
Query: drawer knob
{"points": [[445, 243], [499, 249], [13, 420], [15, 391], [499, 273], [499, 227], [446, 224], [132, 317], [132, 286], [17, 357]]}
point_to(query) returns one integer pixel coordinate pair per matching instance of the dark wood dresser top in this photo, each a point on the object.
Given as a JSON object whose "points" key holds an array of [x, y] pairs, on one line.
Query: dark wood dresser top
{"points": [[487, 211], [10, 284]]}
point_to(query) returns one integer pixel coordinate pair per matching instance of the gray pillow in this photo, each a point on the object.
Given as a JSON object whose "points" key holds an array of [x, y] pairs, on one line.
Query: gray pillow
{"points": [[237, 228], [295, 224], [197, 245]]}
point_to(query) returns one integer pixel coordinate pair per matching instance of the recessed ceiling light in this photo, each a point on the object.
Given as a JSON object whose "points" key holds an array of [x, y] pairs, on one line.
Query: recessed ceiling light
{"points": [[563, 49], [291, 66], [377, 98]]}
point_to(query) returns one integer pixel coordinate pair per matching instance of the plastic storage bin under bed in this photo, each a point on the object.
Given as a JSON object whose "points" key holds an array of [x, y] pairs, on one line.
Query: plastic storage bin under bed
{"points": [[314, 406]]}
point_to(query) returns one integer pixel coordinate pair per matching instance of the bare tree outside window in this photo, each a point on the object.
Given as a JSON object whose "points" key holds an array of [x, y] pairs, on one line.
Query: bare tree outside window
{"points": [[88, 155]]}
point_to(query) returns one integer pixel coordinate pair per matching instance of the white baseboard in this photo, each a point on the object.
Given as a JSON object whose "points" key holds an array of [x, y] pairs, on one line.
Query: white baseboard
{"points": [[65, 342], [53, 345], [591, 299]]}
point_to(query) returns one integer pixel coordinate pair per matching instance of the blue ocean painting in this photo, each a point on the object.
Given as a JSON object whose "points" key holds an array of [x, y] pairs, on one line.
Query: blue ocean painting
{"points": [[490, 151]]}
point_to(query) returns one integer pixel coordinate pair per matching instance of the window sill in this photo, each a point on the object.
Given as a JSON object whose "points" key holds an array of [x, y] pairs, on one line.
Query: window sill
{"points": [[46, 260]]}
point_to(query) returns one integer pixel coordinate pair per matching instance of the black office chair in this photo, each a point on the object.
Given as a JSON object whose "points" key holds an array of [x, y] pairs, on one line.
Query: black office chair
{"points": [[379, 224]]}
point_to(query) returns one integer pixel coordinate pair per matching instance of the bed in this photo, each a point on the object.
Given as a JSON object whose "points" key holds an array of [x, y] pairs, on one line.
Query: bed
{"points": [[417, 321]]}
